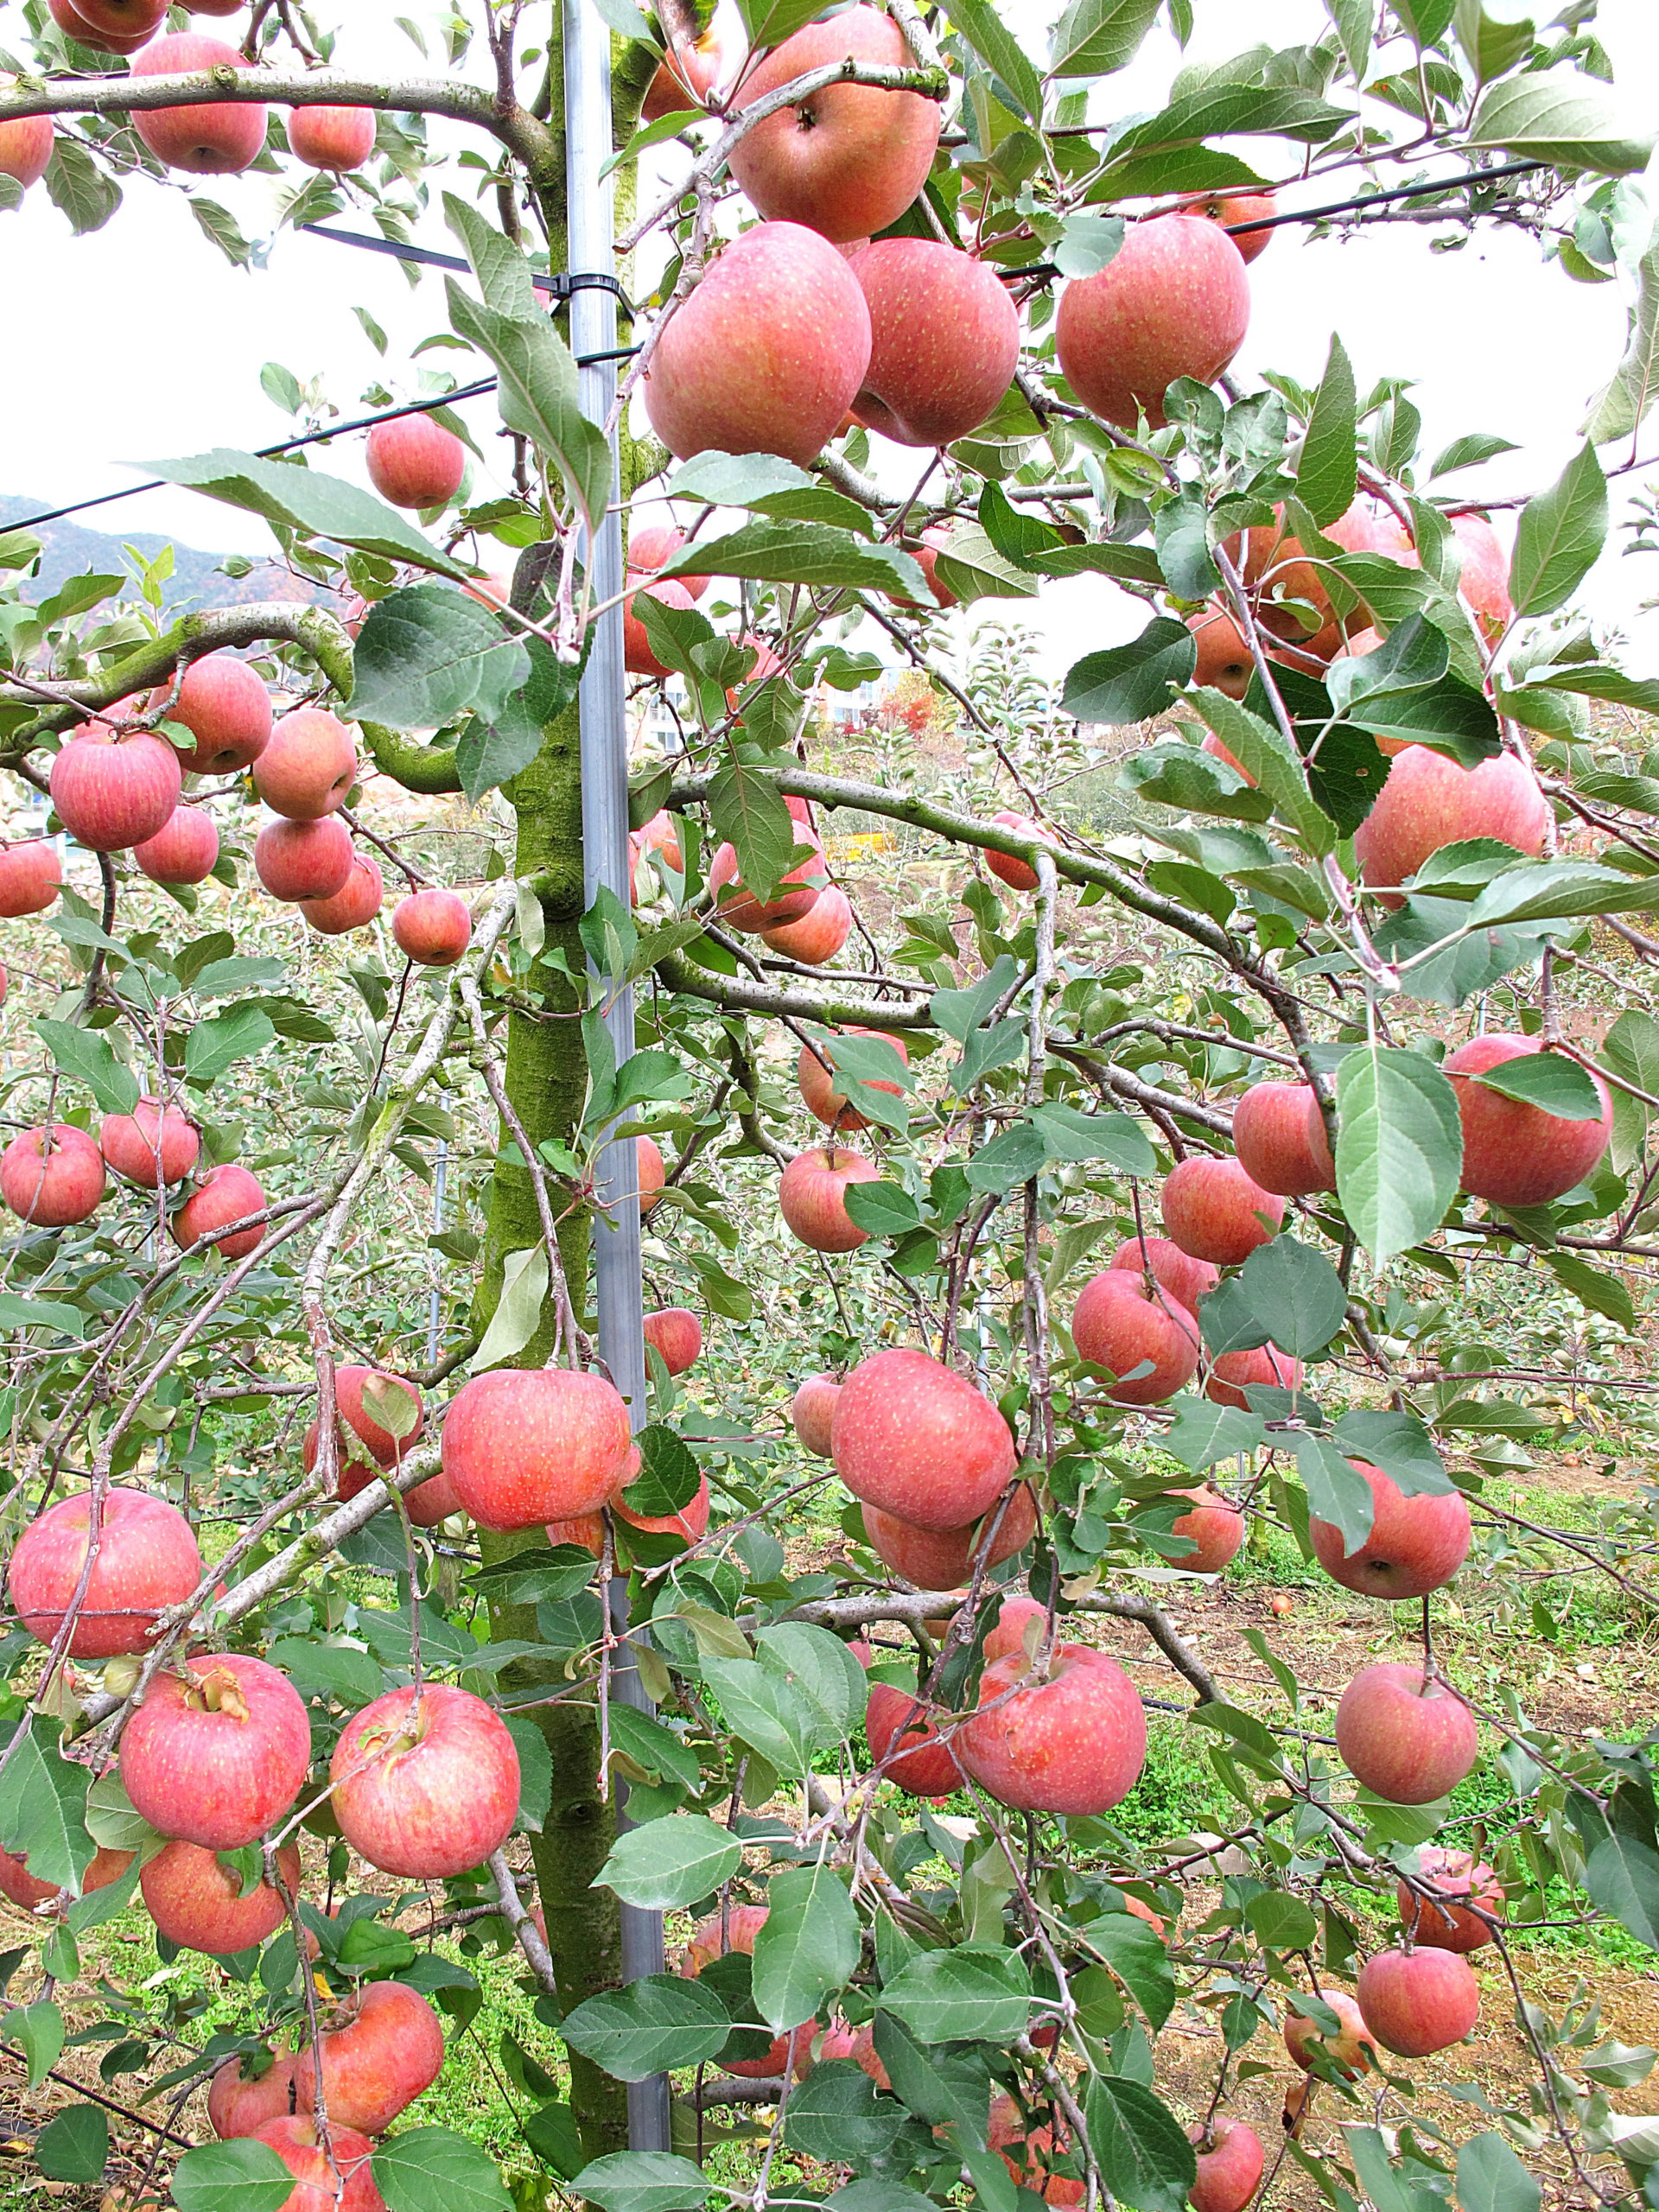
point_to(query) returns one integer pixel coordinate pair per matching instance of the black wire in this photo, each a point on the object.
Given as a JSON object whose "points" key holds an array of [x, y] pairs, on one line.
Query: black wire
{"points": [[561, 287]]}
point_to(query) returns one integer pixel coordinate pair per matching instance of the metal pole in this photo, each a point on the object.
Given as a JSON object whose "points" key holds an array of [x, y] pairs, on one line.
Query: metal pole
{"points": [[605, 856]]}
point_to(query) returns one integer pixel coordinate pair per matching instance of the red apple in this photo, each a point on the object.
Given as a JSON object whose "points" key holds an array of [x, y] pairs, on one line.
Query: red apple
{"points": [[26, 149], [637, 656], [812, 1197], [74, 25], [847, 161], [1281, 1144], [1515, 1154], [944, 341], [223, 137], [213, 1756], [414, 462], [241, 2105], [113, 792], [825, 1099], [1484, 582], [1418, 2002], [685, 78], [1234, 1372], [1008, 1634], [432, 928], [736, 1930], [811, 1409], [690, 1523], [739, 908], [1241, 208], [1185, 1279], [1303, 2039], [1116, 1326], [916, 1439], [354, 906], [309, 766], [388, 2048], [1173, 301], [30, 877], [351, 1385], [296, 861], [662, 835], [1448, 1923], [427, 1504], [677, 1334], [769, 351], [840, 2040], [224, 1194], [152, 1146], [425, 1782], [52, 1178], [24, 1891], [820, 932], [527, 1445], [587, 1529], [338, 138], [1073, 1744], [1403, 1736], [1416, 1544], [1230, 2155], [338, 2179], [1008, 2127], [1008, 868], [652, 1173], [1224, 662], [183, 850], [651, 546], [943, 1559], [1428, 802], [1214, 1211], [224, 705], [147, 1560], [1215, 1527], [122, 18], [894, 1721], [197, 1902]]}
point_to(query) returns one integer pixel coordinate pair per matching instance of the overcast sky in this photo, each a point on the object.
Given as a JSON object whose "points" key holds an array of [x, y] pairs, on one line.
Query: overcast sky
{"points": [[141, 341]]}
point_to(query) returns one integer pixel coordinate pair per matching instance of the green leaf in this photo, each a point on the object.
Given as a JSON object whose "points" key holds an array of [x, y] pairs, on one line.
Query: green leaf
{"points": [[1118, 1139], [1139, 2146], [1468, 451], [1548, 1080], [881, 1209], [1601, 1292], [660, 2022], [78, 188], [1337, 1491], [1175, 774], [1232, 111], [1400, 1445], [966, 1995], [43, 1806], [216, 1043], [492, 750], [425, 655], [1557, 118], [811, 553], [970, 566], [1269, 762], [771, 1716], [1138, 1956], [1622, 1877], [1399, 1146], [1490, 2178], [434, 2170], [536, 391], [518, 1310], [1095, 37], [1281, 1922], [1132, 682], [1558, 538], [837, 2115], [669, 1474], [1204, 1432], [17, 1312], [996, 47], [504, 275], [644, 2181], [820, 1669], [727, 480], [1549, 891], [301, 500], [669, 1863], [1296, 1294], [1088, 244], [74, 2145], [39, 2028], [238, 2177], [770, 21], [749, 813], [1494, 45], [88, 1056], [808, 1947], [1327, 476]]}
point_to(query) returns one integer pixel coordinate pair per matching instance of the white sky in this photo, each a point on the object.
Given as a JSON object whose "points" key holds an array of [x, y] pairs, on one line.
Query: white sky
{"points": [[141, 341]]}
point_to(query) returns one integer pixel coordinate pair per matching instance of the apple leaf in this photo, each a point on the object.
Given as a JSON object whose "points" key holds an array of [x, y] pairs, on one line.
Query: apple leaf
{"points": [[293, 498], [670, 1863], [1139, 2146], [1095, 37], [88, 1055], [808, 1947], [662, 2020], [425, 655], [1559, 537], [813, 553], [239, 2177], [1556, 117], [1328, 475], [435, 2170], [1132, 682], [1490, 2178], [1548, 1080], [644, 2181], [1399, 1146]]}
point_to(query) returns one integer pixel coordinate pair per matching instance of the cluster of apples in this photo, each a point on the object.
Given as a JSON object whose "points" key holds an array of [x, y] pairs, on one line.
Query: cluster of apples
{"points": [[219, 137]]}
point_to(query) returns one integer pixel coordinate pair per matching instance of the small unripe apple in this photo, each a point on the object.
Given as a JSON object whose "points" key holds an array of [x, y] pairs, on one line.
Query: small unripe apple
{"points": [[1216, 1212], [1416, 1544], [1116, 1326], [432, 928], [224, 1194], [147, 1559], [812, 1197], [218, 139], [223, 702], [183, 850], [308, 768], [215, 1753], [296, 861], [1406, 1738], [1418, 2002], [354, 906], [338, 138], [414, 462], [52, 1178], [426, 1782], [30, 877], [152, 1146]]}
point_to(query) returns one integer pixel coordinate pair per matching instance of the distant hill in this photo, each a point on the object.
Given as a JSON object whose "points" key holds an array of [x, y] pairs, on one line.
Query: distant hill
{"points": [[197, 580]]}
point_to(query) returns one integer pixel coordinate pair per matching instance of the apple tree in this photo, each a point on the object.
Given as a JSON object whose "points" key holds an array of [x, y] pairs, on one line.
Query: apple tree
{"points": [[1116, 1189]]}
